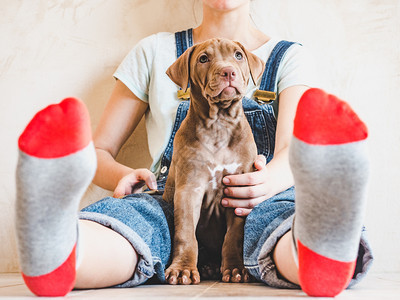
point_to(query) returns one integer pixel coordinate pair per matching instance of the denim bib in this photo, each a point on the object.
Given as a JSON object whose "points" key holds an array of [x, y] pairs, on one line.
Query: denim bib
{"points": [[260, 116]]}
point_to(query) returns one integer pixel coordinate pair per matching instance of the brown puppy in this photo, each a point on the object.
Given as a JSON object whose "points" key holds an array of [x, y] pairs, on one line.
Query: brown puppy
{"points": [[214, 140]]}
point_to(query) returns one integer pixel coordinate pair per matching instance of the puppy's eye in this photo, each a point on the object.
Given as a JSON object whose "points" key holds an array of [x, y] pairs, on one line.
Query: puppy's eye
{"points": [[238, 55], [203, 59]]}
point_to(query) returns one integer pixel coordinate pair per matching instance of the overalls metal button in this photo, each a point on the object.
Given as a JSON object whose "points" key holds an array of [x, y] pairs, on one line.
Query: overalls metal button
{"points": [[164, 169]]}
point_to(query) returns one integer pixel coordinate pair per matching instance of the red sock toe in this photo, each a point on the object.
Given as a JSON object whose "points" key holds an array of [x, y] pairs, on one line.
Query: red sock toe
{"points": [[323, 119], [56, 283], [58, 130], [321, 276]]}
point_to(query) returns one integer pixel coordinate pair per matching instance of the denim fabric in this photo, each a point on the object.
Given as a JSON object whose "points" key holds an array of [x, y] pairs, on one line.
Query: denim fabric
{"points": [[146, 222], [266, 224], [183, 40], [262, 221]]}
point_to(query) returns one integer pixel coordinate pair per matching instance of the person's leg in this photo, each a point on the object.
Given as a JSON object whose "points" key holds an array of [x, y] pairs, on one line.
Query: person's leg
{"points": [[119, 242], [139, 221], [96, 267], [270, 253], [56, 164], [284, 258], [266, 230], [330, 167]]}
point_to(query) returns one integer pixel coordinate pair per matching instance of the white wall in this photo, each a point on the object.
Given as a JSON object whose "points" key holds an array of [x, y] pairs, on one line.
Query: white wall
{"points": [[51, 49]]}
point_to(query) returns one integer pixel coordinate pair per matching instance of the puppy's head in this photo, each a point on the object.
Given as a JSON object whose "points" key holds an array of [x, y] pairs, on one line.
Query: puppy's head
{"points": [[219, 68]]}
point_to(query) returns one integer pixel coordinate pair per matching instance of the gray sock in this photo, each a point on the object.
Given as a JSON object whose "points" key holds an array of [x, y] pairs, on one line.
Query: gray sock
{"points": [[56, 163], [330, 166]]}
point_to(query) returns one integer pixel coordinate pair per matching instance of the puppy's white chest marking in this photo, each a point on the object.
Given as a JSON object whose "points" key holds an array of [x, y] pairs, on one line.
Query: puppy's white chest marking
{"points": [[230, 168]]}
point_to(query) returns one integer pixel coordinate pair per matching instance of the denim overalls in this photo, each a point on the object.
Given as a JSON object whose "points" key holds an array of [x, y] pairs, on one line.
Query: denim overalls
{"points": [[146, 221]]}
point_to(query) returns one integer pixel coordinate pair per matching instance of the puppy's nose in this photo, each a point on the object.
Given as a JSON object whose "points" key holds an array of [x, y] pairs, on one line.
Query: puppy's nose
{"points": [[228, 74]]}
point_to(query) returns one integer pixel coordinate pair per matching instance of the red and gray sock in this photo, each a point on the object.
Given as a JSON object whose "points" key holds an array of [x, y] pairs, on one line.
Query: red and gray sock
{"points": [[56, 164], [330, 167]]}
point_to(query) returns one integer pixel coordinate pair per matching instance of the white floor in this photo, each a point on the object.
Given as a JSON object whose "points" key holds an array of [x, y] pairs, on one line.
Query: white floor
{"points": [[375, 286]]}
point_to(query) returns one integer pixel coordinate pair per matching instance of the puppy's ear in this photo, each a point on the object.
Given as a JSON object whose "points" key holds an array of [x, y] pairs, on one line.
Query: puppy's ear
{"points": [[179, 70], [256, 64]]}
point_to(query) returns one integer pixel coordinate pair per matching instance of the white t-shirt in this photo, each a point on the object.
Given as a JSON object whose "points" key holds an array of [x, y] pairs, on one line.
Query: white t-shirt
{"points": [[143, 72]]}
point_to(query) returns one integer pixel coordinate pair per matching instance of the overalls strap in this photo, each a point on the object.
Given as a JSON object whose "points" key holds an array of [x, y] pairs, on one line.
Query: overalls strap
{"points": [[267, 92], [184, 40], [268, 80]]}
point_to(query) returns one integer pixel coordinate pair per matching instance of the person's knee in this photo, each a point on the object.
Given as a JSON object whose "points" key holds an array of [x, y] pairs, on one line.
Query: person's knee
{"points": [[105, 258]]}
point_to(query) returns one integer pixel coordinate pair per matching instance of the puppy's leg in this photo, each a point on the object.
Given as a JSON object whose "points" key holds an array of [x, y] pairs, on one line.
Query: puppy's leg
{"points": [[232, 267], [187, 207], [169, 190]]}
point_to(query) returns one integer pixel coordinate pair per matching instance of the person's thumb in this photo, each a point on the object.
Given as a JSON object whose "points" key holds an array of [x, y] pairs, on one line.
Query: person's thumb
{"points": [[119, 191], [260, 162], [149, 179]]}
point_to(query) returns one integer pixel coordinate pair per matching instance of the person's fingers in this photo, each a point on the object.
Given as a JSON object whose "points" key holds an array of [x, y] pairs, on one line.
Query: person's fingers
{"points": [[242, 203], [148, 177], [151, 182], [137, 188], [242, 211], [260, 162], [122, 189], [252, 178], [127, 185], [245, 192]]}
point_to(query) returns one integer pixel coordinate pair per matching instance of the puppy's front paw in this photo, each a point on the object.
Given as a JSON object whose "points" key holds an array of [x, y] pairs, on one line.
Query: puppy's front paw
{"points": [[178, 275], [236, 275]]}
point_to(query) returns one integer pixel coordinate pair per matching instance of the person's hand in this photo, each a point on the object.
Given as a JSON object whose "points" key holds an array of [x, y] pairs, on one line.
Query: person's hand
{"points": [[244, 191], [134, 181]]}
